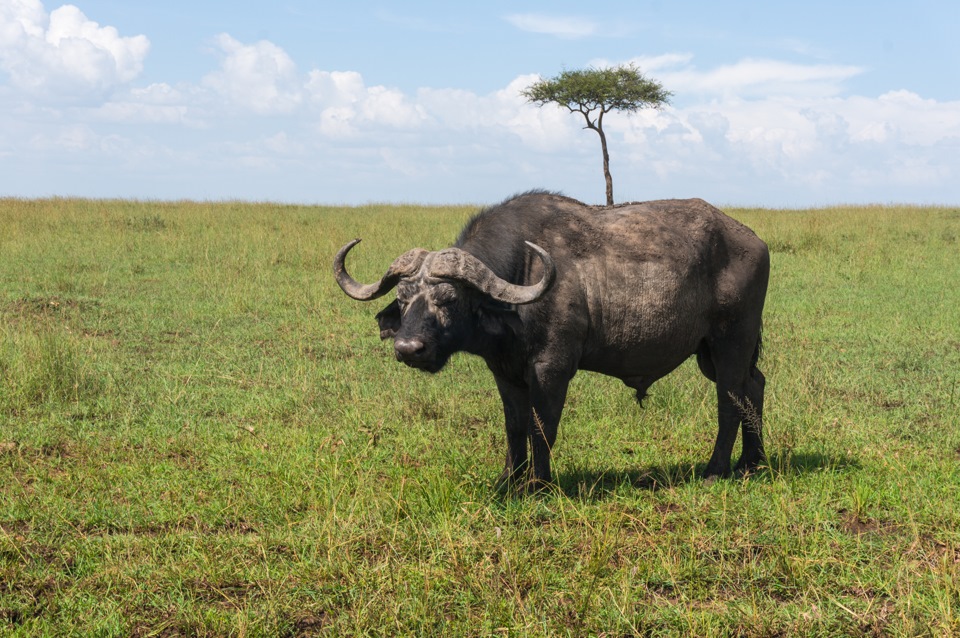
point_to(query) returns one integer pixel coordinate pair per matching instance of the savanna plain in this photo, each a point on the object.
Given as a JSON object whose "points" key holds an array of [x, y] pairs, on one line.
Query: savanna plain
{"points": [[201, 435]]}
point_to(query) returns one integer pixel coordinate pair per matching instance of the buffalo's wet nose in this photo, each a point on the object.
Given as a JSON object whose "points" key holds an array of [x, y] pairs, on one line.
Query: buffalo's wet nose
{"points": [[407, 347]]}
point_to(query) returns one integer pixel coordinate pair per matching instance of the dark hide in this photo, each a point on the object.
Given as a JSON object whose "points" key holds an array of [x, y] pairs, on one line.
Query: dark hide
{"points": [[639, 288]]}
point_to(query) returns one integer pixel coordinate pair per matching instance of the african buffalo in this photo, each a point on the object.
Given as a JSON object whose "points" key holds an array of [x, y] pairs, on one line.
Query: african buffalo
{"points": [[542, 285]]}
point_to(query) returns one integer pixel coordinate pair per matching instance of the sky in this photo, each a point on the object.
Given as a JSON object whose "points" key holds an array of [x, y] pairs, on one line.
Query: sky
{"points": [[775, 104]]}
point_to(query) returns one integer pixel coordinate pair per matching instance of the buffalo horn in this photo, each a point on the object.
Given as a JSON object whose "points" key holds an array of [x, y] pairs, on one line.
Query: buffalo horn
{"points": [[457, 264], [406, 264]]}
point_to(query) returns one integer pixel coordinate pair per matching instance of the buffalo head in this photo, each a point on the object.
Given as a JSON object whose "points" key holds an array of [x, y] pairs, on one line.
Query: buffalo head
{"points": [[443, 298]]}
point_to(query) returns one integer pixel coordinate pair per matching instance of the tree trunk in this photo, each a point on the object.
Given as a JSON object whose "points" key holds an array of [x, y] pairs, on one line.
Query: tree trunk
{"points": [[598, 127], [606, 166]]}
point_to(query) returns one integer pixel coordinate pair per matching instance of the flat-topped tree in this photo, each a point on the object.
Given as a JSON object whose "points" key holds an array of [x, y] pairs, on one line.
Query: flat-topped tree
{"points": [[595, 92]]}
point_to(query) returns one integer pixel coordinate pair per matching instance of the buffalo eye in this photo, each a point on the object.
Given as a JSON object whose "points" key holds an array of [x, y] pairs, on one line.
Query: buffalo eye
{"points": [[404, 295], [444, 294]]}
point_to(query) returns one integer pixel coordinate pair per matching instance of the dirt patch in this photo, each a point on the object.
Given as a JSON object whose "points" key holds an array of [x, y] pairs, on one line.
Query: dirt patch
{"points": [[47, 306], [12, 616], [934, 552], [15, 528], [54, 450], [667, 508], [39, 593], [187, 526], [854, 524], [226, 594], [169, 626], [308, 624]]}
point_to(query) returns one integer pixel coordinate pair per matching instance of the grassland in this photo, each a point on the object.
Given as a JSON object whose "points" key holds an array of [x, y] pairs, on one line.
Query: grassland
{"points": [[200, 435]]}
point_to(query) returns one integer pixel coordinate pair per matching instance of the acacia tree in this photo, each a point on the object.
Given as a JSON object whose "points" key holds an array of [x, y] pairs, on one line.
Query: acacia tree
{"points": [[595, 92]]}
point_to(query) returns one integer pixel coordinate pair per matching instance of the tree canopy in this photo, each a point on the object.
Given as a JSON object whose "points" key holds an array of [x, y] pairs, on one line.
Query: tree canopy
{"points": [[594, 93]]}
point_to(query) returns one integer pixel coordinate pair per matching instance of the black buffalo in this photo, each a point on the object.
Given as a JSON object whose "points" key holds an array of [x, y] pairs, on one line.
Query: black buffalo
{"points": [[542, 285]]}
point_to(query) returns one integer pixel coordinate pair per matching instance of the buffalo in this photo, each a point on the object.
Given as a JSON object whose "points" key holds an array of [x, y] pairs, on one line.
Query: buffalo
{"points": [[542, 285]]}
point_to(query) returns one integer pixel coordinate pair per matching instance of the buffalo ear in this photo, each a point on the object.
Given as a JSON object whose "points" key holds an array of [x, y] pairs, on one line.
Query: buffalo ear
{"points": [[389, 320], [498, 321]]}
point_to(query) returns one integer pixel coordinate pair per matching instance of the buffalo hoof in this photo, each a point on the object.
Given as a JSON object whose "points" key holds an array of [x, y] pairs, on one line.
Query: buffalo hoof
{"points": [[710, 475], [748, 466], [537, 486], [510, 481], [521, 483]]}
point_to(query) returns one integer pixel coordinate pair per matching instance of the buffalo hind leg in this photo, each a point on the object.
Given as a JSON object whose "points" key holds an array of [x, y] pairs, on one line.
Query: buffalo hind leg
{"points": [[752, 455], [727, 421], [740, 387]]}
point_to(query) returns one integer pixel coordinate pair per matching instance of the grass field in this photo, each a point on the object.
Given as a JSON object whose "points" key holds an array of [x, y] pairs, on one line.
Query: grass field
{"points": [[201, 435]]}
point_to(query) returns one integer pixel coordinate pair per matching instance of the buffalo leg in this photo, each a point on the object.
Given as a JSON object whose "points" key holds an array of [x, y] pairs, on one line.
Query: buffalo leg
{"points": [[548, 393], [739, 402], [728, 423], [516, 408], [752, 455]]}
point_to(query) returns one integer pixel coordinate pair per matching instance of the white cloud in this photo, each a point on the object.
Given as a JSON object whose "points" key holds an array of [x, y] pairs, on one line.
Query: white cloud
{"points": [[156, 104], [654, 63], [63, 54], [71, 138], [825, 149], [747, 78], [902, 117], [337, 121], [405, 162], [770, 77], [335, 88], [349, 107], [136, 112], [568, 27], [260, 77], [391, 108], [283, 144], [500, 114], [543, 129]]}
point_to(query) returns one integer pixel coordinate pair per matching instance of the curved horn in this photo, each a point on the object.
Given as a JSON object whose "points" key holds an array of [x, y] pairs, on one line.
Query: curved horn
{"points": [[406, 264], [458, 264]]}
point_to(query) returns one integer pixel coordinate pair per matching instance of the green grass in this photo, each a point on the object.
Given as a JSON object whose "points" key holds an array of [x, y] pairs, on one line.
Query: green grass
{"points": [[201, 435]]}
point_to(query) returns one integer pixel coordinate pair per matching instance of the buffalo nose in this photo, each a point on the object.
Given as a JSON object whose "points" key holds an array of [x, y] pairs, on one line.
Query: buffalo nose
{"points": [[407, 347]]}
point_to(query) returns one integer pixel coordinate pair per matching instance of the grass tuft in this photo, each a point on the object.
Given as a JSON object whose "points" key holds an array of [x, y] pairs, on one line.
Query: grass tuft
{"points": [[45, 366]]}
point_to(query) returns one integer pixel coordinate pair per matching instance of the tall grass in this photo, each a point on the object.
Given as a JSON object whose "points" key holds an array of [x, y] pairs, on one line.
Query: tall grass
{"points": [[200, 435], [44, 365]]}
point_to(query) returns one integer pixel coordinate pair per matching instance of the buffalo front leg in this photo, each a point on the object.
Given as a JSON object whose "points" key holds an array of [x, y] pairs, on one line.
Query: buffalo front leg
{"points": [[516, 408], [548, 393]]}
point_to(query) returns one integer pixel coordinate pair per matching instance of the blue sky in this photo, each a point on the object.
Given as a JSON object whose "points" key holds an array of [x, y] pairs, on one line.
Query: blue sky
{"points": [[775, 104]]}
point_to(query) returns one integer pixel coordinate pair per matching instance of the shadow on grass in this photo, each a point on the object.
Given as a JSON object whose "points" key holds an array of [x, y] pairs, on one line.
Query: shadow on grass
{"points": [[591, 484]]}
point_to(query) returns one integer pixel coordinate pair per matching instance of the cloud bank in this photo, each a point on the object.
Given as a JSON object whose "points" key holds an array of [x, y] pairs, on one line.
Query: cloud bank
{"points": [[757, 131], [63, 55]]}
